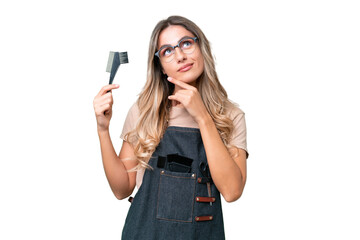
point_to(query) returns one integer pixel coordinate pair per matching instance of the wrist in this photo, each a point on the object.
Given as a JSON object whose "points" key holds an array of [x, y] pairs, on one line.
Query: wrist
{"points": [[103, 131], [205, 120]]}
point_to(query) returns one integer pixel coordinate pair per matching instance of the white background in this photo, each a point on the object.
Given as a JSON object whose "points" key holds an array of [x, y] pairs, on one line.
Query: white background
{"points": [[292, 66]]}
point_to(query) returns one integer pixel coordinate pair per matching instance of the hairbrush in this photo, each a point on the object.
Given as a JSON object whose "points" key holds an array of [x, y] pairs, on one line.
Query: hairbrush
{"points": [[114, 61]]}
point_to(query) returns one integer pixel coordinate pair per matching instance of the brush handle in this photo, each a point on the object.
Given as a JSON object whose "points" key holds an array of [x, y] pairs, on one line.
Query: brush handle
{"points": [[113, 73]]}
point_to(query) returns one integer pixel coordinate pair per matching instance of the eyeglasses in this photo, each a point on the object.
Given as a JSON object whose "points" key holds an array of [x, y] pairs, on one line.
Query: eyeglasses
{"points": [[186, 44]]}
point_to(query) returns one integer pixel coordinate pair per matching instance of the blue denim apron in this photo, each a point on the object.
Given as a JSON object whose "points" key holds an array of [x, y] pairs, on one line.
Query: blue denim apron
{"points": [[176, 205]]}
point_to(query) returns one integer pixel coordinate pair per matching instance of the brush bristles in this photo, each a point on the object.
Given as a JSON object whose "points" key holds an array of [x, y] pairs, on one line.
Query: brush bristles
{"points": [[123, 57]]}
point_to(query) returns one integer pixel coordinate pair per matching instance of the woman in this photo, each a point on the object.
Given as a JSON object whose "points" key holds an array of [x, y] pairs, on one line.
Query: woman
{"points": [[184, 141]]}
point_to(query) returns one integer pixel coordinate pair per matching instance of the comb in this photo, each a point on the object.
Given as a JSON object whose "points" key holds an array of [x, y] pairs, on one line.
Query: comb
{"points": [[114, 61]]}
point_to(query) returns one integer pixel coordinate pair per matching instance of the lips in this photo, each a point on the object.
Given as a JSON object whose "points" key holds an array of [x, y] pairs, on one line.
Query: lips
{"points": [[185, 67]]}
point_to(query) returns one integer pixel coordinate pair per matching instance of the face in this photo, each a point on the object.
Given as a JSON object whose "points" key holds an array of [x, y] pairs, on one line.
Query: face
{"points": [[184, 67]]}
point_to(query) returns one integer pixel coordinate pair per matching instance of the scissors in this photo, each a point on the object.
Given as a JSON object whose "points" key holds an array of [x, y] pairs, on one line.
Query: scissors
{"points": [[205, 171], [204, 168]]}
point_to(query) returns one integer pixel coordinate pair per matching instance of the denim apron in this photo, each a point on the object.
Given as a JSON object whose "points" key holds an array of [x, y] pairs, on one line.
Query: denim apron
{"points": [[174, 204]]}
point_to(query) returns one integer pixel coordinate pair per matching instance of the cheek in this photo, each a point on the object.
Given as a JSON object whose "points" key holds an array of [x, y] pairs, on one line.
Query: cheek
{"points": [[199, 58], [168, 69], [201, 63]]}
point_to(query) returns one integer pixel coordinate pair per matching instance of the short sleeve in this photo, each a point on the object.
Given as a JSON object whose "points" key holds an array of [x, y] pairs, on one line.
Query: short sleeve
{"points": [[238, 138], [130, 121]]}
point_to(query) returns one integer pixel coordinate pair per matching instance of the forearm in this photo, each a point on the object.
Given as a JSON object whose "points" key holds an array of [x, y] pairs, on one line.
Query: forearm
{"points": [[115, 170], [225, 173]]}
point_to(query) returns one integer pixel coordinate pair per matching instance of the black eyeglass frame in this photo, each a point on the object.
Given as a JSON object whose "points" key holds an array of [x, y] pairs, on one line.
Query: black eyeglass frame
{"points": [[177, 45]]}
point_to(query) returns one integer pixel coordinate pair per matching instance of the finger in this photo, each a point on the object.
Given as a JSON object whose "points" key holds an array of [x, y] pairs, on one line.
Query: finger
{"points": [[184, 92], [106, 101], [100, 110], [180, 97], [99, 100], [107, 88], [100, 107], [180, 83], [107, 105], [106, 97]]}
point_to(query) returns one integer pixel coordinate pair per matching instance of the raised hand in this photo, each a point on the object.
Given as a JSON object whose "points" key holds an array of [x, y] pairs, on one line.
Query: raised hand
{"points": [[190, 98], [103, 102]]}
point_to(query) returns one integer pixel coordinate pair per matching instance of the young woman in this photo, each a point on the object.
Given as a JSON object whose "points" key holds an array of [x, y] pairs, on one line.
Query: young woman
{"points": [[184, 141]]}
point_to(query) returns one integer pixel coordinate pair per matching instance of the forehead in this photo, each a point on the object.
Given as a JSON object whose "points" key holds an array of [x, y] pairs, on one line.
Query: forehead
{"points": [[172, 34]]}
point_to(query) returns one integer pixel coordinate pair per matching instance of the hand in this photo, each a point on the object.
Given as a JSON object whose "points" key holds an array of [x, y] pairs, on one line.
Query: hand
{"points": [[103, 102], [190, 98]]}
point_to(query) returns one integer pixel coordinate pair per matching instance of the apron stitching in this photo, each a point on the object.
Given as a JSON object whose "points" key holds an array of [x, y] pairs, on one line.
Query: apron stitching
{"points": [[174, 220], [176, 130], [157, 207], [164, 174]]}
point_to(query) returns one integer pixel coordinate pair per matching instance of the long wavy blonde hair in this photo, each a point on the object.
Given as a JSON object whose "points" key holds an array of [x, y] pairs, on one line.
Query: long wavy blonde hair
{"points": [[153, 103]]}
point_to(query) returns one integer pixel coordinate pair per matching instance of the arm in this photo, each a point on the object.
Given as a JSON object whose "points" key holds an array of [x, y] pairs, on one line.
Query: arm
{"points": [[121, 182], [229, 175]]}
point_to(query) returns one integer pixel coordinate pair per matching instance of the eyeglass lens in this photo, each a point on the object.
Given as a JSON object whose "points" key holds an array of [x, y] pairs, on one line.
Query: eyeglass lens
{"points": [[186, 45]]}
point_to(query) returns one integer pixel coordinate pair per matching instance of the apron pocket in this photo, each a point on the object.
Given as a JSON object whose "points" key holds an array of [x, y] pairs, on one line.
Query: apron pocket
{"points": [[177, 167], [176, 196]]}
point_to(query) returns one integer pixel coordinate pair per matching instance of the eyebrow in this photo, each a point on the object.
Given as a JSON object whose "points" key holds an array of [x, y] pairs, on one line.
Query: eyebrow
{"points": [[169, 45]]}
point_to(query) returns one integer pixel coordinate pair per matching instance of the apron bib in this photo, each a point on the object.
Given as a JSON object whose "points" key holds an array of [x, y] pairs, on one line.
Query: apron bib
{"points": [[177, 199]]}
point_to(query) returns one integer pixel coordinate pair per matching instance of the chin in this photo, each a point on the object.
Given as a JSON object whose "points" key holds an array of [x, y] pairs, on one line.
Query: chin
{"points": [[188, 78]]}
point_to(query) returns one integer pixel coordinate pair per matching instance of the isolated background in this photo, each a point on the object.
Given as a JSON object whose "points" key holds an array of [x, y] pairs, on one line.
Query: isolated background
{"points": [[292, 66]]}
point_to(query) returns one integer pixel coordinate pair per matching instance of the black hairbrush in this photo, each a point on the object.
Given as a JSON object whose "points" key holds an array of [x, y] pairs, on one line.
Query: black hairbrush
{"points": [[114, 61]]}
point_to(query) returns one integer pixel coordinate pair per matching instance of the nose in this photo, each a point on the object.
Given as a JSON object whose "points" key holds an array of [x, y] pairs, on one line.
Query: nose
{"points": [[179, 55]]}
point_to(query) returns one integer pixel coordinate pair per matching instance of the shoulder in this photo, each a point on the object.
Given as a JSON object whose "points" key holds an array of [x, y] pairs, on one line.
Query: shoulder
{"points": [[133, 112], [237, 116], [131, 120], [134, 108], [235, 112], [239, 135]]}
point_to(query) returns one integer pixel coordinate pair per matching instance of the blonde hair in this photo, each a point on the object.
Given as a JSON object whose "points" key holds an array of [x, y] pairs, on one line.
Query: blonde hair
{"points": [[153, 103]]}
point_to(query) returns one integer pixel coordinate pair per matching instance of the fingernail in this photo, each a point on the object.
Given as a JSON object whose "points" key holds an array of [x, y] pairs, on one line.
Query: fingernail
{"points": [[169, 78]]}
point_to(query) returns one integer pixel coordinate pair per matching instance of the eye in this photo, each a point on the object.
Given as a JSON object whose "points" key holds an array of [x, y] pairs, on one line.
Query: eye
{"points": [[187, 43], [166, 52]]}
